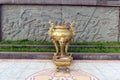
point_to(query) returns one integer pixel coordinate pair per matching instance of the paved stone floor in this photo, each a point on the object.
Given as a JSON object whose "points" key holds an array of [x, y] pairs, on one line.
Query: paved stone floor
{"points": [[17, 69]]}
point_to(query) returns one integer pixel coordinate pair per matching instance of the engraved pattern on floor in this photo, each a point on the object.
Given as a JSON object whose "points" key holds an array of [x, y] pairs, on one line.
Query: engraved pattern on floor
{"points": [[51, 74], [22, 69]]}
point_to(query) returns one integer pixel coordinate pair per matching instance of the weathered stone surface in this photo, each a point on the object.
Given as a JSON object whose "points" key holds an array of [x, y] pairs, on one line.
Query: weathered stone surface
{"points": [[28, 22], [64, 2], [31, 22], [93, 23]]}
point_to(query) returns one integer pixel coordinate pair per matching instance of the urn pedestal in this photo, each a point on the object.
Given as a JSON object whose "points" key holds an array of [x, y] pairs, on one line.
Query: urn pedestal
{"points": [[63, 61], [61, 36]]}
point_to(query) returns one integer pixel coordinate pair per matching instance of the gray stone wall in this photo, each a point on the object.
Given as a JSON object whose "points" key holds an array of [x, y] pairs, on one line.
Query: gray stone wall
{"points": [[64, 2], [93, 23], [30, 22]]}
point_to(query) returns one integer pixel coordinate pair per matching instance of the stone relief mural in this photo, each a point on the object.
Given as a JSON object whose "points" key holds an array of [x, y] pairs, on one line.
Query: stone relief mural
{"points": [[31, 22], [93, 23], [28, 22]]}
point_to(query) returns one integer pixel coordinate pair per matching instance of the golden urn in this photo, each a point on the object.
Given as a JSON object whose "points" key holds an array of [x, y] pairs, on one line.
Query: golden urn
{"points": [[61, 36]]}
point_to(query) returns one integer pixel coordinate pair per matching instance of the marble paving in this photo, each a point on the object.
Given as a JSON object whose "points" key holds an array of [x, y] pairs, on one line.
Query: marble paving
{"points": [[21, 69]]}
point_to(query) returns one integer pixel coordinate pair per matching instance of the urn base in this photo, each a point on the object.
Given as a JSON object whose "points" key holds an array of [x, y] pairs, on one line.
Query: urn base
{"points": [[63, 61]]}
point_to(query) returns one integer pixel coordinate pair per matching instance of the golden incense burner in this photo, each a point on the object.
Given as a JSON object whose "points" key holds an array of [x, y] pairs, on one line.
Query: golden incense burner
{"points": [[61, 36]]}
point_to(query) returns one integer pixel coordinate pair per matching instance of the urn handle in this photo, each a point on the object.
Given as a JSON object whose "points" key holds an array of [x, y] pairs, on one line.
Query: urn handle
{"points": [[51, 29], [51, 24], [72, 24]]}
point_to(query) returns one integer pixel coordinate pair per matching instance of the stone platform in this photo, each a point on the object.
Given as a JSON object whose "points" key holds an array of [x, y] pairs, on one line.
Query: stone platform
{"points": [[22, 69]]}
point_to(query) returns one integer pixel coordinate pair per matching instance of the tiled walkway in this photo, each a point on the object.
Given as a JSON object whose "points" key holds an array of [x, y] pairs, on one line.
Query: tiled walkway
{"points": [[23, 69]]}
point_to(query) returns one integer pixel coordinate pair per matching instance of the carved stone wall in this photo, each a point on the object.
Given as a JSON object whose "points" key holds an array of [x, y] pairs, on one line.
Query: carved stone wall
{"points": [[31, 22], [64, 2], [28, 22], [93, 23]]}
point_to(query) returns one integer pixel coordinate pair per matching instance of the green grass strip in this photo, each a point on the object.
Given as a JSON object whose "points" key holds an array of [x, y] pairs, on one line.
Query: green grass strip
{"points": [[100, 46], [25, 42]]}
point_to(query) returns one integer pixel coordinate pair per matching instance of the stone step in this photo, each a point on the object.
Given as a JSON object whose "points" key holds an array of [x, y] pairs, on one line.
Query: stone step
{"points": [[49, 55]]}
